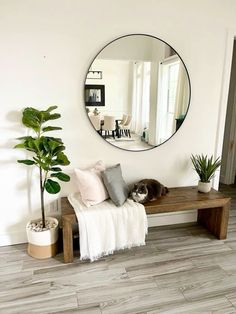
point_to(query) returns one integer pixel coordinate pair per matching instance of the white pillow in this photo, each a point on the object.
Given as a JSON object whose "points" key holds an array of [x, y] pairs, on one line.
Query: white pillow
{"points": [[90, 184]]}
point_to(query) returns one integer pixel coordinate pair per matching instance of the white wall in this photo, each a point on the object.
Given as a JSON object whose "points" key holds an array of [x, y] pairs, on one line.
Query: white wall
{"points": [[136, 48], [46, 49]]}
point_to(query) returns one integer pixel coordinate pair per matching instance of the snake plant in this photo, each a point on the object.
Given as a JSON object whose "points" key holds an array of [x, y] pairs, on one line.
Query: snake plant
{"points": [[205, 166]]}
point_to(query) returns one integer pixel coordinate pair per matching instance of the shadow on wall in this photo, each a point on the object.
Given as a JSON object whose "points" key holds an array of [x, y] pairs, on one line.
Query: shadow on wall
{"points": [[69, 187], [23, 183], [16, 233], [14, 117]]}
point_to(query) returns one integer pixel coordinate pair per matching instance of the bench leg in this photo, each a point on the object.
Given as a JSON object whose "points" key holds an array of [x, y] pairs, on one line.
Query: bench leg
{"points": [[67, 242], [215, 220]]}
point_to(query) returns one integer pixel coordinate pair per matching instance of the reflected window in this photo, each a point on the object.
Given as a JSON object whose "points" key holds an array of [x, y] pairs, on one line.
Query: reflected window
{"points": [[172, 72], [141, 96], [172, 90]]}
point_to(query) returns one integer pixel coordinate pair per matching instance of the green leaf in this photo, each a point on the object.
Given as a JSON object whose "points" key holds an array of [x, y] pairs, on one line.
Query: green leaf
{"points": [[27, 162], [58, 150], [56, 169], [61, 176], [31, 144], [51, 128], [52, 187], [21, 145], [53, 145], [46, 145], [31, 118], [51, 108], [55, 139], [24, 137], [38, 143], [37, 160], [46, 115], [61, 159], [54, 116]]}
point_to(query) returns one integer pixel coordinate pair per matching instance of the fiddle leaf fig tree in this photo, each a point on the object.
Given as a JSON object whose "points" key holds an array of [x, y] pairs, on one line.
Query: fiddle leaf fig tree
{"points": [[46, 151]]}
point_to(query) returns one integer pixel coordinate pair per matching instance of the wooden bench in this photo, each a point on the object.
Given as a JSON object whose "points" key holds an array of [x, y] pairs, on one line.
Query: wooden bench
{"points": [[213, 212]]}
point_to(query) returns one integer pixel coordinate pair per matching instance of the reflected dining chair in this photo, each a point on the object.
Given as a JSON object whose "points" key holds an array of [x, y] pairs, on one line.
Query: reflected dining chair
{"points": [[109, 125], [96, 122], [125, 128], [123, 120]]}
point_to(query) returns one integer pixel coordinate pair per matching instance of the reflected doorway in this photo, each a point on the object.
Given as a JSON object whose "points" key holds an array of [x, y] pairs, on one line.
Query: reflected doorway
{"points": [[228, 167]]}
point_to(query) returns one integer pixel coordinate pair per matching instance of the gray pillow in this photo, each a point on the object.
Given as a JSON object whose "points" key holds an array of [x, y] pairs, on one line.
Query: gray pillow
{"points": [[115, 185]]}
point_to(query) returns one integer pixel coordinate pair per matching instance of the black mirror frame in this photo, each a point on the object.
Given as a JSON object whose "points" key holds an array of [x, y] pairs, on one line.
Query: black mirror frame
{"points": [[189, 83]]}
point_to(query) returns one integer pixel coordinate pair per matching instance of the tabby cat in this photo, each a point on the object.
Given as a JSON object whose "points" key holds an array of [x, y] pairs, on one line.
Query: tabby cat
{"points": [[148, 190]]}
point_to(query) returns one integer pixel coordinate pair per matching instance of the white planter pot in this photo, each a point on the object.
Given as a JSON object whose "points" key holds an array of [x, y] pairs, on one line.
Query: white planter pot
{"points": [[42, 244], [204, 187]]}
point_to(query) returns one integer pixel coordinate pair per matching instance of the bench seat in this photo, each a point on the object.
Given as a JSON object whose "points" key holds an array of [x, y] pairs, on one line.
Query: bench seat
{"points": [[213, 212]]}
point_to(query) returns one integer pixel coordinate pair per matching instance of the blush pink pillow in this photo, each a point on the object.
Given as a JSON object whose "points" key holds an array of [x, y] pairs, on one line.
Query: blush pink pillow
{"points": [[90, 184]]}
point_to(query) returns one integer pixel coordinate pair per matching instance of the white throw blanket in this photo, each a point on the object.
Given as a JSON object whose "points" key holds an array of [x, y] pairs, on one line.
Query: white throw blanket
{"points": [[104, 228]]}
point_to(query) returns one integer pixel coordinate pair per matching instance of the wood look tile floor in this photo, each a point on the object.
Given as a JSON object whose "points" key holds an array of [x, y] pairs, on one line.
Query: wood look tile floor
{"points": [[182, 269]]}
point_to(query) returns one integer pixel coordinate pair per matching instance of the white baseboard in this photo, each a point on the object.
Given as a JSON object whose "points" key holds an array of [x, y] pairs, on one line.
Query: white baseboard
{"points": [[172, 218], [11, 238], [153, 220]]}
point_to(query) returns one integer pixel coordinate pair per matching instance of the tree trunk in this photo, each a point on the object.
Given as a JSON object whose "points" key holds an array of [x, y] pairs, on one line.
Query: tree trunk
{"points": [[41, 196]]}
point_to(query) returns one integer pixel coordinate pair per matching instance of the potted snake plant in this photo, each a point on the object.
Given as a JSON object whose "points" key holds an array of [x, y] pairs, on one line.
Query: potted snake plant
{"points": [[205, 167], [46, 154]]}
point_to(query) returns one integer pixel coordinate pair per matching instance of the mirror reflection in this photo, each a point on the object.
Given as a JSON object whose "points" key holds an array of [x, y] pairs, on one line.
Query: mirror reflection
{"points": [[137, 92]]}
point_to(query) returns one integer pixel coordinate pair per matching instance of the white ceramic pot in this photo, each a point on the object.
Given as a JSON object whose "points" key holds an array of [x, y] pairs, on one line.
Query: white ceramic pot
{"points": [[204, 187], [42, 244]]}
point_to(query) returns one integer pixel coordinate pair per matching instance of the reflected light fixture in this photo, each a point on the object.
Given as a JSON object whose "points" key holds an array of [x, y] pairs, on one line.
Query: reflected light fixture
{"points": [[97, 75]]}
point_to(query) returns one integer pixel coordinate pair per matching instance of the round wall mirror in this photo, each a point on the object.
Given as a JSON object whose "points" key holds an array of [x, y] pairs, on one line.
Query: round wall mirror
{"points": [[137, 92]]}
